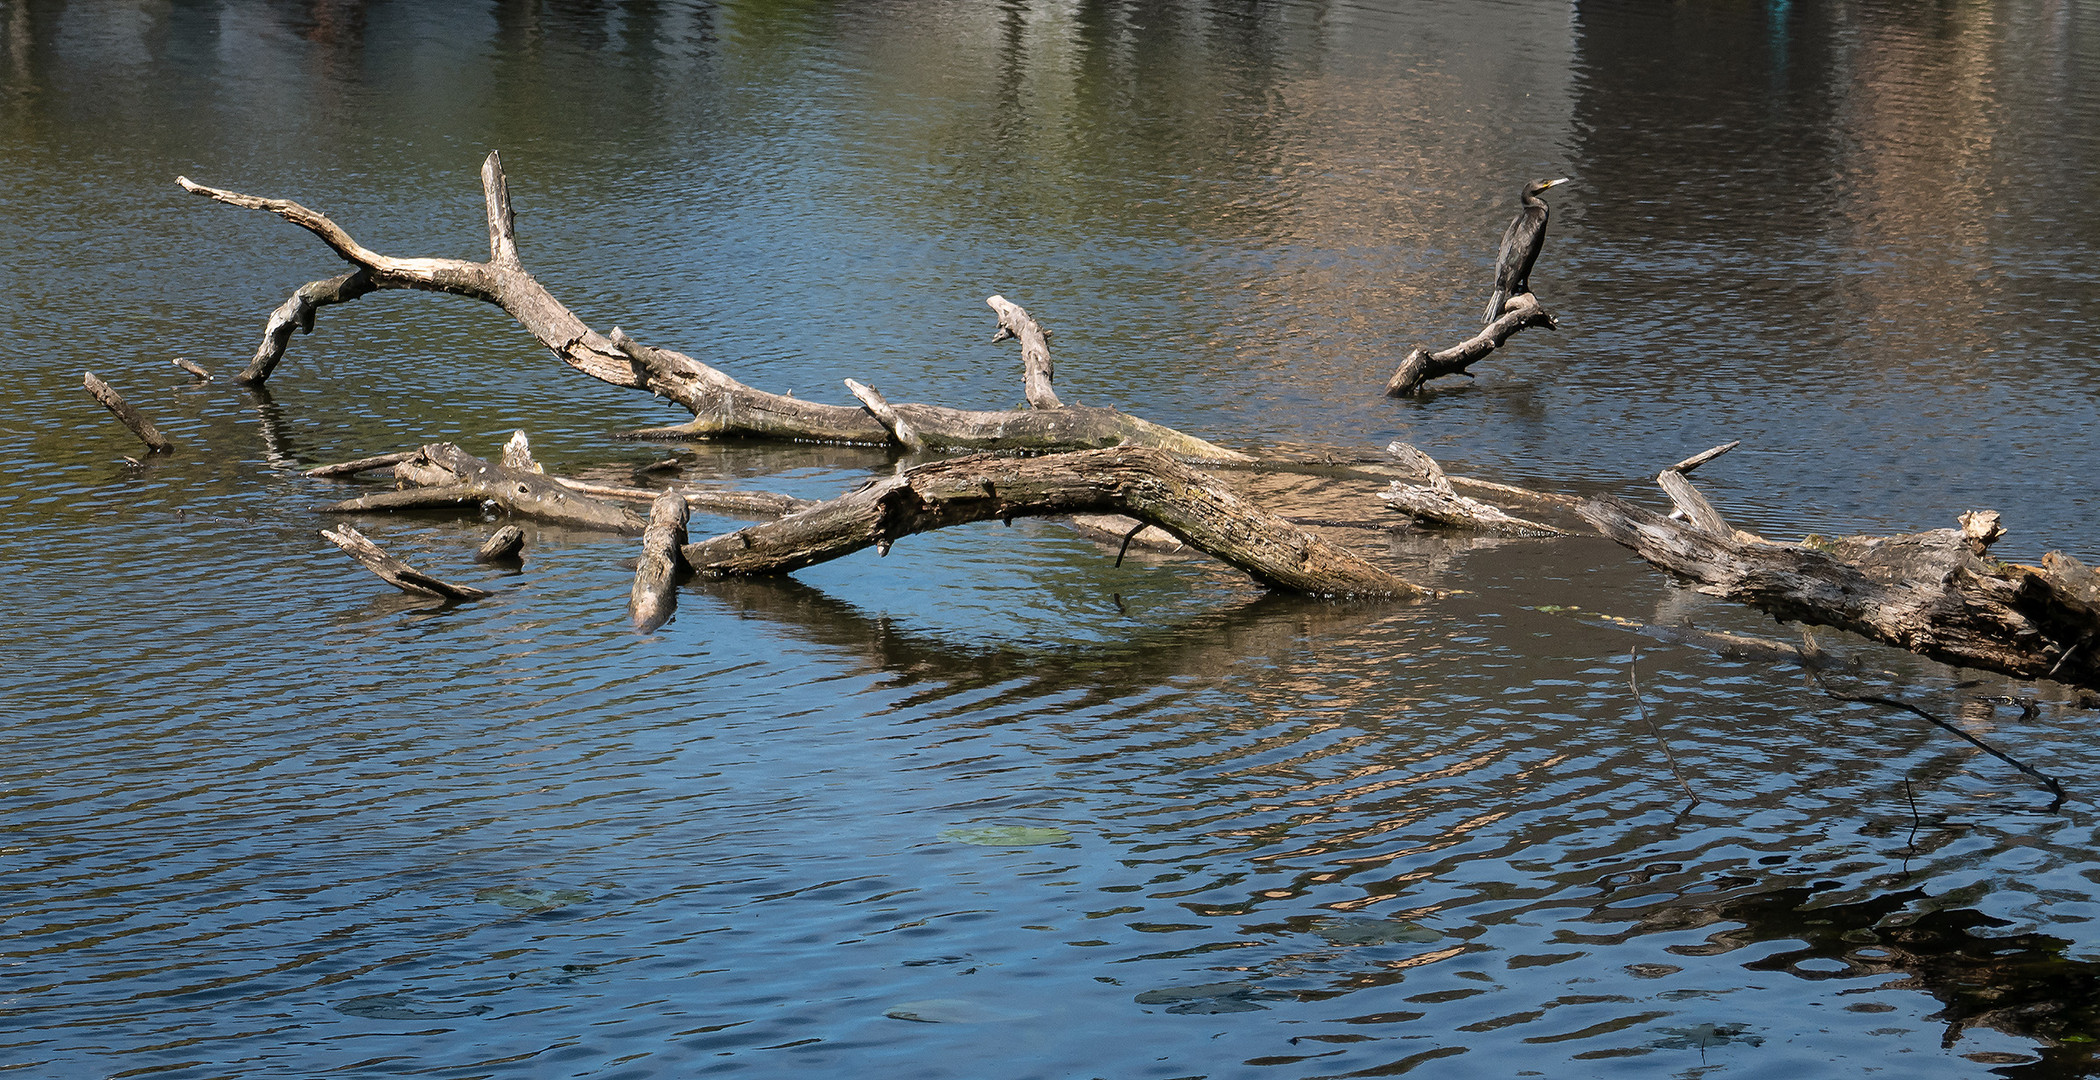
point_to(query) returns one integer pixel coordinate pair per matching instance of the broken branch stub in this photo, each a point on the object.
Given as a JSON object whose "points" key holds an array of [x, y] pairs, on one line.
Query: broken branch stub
{"points": [[1438, 503], [1145, 484], [654, 597], [1037, 370]]}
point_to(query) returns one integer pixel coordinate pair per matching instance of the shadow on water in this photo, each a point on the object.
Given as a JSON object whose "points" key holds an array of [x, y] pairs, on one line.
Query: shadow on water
{"points": [[1269, 625], [2024, 984]]}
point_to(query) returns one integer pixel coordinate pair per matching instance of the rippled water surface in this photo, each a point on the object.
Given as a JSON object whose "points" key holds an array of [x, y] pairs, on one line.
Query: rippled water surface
{"points": [[996, 805]]}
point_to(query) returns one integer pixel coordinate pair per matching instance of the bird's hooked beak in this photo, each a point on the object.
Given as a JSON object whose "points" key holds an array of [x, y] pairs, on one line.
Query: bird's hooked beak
{"points": [[1555, 183]]}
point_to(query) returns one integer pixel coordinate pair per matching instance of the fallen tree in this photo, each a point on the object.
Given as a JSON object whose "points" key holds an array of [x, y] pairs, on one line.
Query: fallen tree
{"points": [[721, 406], [1141, 483]]}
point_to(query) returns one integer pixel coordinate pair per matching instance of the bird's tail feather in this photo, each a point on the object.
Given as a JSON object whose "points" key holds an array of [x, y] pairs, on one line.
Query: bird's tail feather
{"points": [[1494, 310]]}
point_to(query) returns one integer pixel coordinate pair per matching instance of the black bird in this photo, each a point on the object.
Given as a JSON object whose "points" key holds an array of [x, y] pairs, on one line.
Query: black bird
{"points": [[1520, 247]]}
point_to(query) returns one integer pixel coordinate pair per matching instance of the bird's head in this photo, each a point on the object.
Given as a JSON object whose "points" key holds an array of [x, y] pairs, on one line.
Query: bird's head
{"points": [[1538, 187]]}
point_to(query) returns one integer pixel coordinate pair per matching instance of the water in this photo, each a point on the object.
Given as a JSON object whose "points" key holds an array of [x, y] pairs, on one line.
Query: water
{"points": [[265, 817]]}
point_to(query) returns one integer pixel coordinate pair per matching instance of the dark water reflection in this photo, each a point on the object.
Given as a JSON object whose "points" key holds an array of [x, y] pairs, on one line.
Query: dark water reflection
{"points": [[264, 819]]}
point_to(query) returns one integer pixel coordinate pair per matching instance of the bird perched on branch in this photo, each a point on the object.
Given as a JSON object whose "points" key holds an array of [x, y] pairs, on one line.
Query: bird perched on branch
{"points": [[1520, 247]]}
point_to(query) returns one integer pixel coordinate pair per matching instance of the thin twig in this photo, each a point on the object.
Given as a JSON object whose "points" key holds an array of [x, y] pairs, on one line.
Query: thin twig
{"points": [[1127, 538], [1641, 710], [2047, 781]]}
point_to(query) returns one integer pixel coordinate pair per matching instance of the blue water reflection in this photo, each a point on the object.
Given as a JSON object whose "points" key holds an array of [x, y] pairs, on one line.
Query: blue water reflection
{"points": [[264, 817]]}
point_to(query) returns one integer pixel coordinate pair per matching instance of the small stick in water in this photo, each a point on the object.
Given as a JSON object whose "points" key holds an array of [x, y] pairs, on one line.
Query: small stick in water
{"points": [[122, 410]]}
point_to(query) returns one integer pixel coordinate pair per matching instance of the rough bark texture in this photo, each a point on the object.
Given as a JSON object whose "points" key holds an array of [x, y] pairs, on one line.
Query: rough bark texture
{"points": [[1145, 484], [721, 406], [1934, 593], [1421, 365], [140, 426], [654, 597], [395, 572]]}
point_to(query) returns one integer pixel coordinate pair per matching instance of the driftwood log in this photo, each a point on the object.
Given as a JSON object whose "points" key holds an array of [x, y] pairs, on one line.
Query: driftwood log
{"points": [[654, 596], [156, 442], [395, 572], [1145, 484], [721, 406], [1421, 365]]}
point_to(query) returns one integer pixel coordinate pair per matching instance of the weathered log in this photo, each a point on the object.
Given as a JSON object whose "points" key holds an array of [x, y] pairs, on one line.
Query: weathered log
{"points": [[765, 504], [1142, 483], [721, 406], [1934, 593], [504, 545], [1521, 311], [1438, 503], [413, 469], [395, 572], [156, 442], [654, 597], [474, 481]]}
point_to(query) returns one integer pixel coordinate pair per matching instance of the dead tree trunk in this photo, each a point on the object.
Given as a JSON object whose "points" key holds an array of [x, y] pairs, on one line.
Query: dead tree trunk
{"points": [[1934, 593], [721, 406], [1142, 483]]}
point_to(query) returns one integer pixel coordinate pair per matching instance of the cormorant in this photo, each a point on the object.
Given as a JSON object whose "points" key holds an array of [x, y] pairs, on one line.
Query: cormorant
{"points": [[1520, 247]]}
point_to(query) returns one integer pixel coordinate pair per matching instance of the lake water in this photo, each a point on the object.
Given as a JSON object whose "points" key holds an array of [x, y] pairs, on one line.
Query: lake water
{"points": [[261, 816]]}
